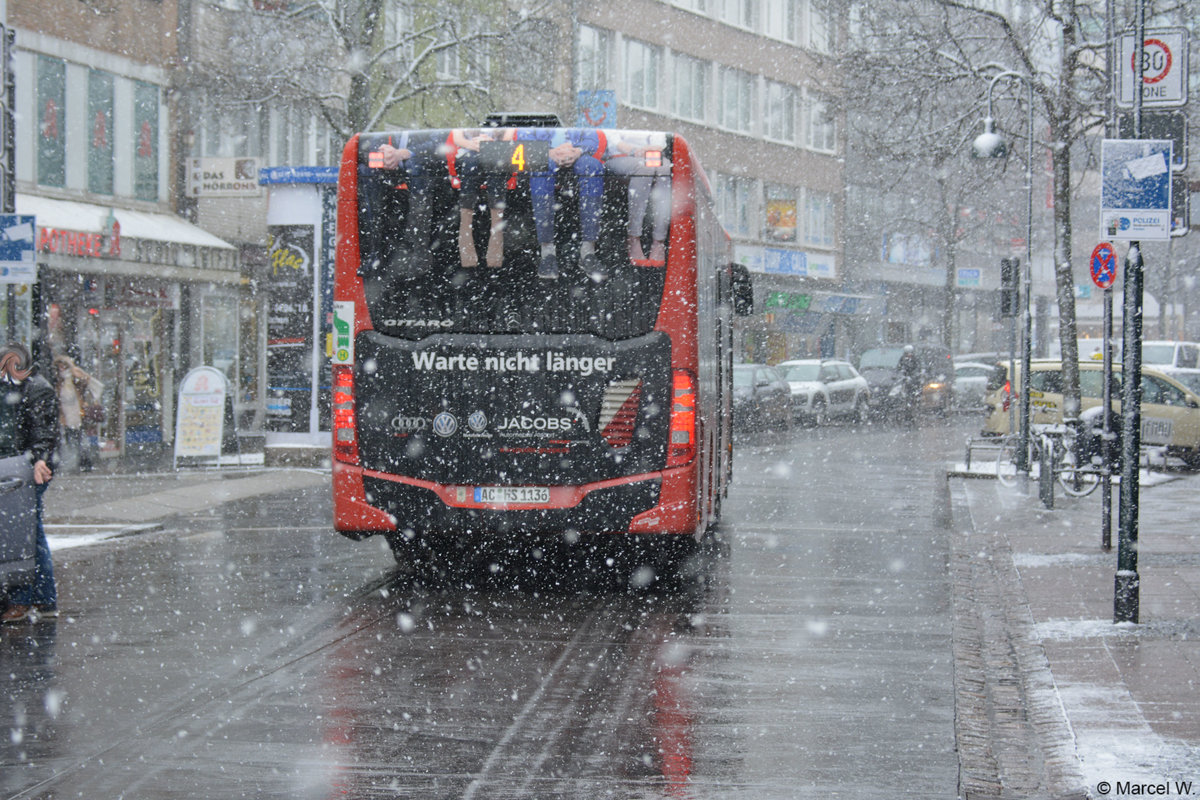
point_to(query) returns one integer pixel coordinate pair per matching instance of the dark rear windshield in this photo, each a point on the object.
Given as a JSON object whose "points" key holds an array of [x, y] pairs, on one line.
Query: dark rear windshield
{"points": [[455, 228]]}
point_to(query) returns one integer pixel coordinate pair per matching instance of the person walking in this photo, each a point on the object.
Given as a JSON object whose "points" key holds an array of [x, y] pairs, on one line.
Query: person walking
{"points": [[29, 425], [78, 392]]}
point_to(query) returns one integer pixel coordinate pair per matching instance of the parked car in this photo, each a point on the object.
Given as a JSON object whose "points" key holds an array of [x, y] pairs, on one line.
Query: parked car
{"points": [[826, 388], [972, 381], [879, 366], [1170, 411], [761, 398]]}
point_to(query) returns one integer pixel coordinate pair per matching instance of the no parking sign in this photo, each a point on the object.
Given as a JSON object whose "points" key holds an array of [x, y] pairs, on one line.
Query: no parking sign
{"points": [[1104, 265]]}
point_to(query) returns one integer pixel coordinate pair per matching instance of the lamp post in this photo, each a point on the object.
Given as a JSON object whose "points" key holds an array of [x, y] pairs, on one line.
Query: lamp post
{"points": [[990, 144]]}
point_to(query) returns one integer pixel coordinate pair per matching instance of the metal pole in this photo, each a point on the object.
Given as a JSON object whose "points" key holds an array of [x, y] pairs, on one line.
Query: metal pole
{"points": [[1110, 103], [1106, 410], [1126, 590], [1027, 287]]}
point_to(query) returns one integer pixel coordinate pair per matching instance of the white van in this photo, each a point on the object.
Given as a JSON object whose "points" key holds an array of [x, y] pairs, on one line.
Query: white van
{"points": [[1168, 356]]}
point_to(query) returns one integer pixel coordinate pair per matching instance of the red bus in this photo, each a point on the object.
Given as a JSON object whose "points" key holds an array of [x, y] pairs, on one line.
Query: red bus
{"points": [[532, 335]]}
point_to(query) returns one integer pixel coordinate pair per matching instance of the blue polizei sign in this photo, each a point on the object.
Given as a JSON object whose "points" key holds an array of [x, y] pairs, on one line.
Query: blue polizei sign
{"points": [[1135, 194], [17, 263]]}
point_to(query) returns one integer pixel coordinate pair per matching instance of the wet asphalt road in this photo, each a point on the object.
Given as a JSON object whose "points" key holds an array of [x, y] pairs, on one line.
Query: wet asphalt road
{"points": [[252, 652]]}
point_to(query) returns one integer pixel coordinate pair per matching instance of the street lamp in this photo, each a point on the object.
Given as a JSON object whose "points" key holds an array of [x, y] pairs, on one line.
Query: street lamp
{"points": [[990, 144]]}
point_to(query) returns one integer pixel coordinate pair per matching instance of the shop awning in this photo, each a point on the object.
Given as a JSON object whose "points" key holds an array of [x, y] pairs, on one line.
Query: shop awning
{"points": [[91, 218], [79, 237]]}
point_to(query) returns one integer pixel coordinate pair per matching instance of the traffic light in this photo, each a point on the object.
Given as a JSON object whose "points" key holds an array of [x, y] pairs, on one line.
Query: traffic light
{"points": [[1010, 270]]}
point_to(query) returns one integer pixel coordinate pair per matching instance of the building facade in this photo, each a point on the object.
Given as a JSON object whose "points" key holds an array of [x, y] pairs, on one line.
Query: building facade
{"points": [[131, 292]]}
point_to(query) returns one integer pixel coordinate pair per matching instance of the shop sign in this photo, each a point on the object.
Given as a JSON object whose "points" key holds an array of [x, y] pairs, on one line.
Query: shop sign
{"points": [[223, 177], [80, 243], [788, 300]]}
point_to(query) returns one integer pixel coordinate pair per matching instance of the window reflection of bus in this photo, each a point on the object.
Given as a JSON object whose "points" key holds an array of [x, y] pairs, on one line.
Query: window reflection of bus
{"points": [[480, 387]]}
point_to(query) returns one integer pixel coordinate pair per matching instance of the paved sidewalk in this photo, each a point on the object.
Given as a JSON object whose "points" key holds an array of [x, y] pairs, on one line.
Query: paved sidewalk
{"points": [[1054, 699], [82, 508]]}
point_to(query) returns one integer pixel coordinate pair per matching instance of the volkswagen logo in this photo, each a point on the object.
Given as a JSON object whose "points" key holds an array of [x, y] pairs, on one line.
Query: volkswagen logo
{"points": [[477, 422], [444, 424]]}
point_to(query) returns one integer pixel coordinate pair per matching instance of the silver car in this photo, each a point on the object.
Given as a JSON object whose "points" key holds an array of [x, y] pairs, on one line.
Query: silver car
{"points": [[972, 381], [823, 389]]}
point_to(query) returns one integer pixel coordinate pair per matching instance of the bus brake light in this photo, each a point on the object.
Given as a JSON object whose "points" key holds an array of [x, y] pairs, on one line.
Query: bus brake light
{"points": [[345, 431], [682, 445]]}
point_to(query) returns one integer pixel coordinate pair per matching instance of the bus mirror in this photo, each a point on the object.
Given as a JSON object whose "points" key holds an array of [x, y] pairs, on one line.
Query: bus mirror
{"points": [[743, 290]]}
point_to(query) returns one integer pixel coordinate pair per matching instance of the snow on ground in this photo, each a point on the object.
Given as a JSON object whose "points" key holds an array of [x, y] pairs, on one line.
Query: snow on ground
{"points": [[63, 537], [1113, 741]]}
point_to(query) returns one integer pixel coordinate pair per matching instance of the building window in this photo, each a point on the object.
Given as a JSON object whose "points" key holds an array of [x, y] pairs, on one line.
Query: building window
{"points": [[735, 91], [780, 115], [100, 121], [593, 59], [733, 198], [219, 335], [52, 122], [819, 29], [642, 71], [466, 56], [698, 6], [736, 12], [779, 19], [397, 24], [819, 219], [291, 136], [230, 131], [822, 127], [446, 60], [145, 145], [690, 90]]}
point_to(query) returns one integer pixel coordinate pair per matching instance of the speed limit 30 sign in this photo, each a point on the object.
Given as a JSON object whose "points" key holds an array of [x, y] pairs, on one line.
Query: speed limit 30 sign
{"points": [[1164, 68]]}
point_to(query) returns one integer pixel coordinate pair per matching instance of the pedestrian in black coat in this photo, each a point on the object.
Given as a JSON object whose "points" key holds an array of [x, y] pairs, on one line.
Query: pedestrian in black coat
{"points": [[29, 425]]}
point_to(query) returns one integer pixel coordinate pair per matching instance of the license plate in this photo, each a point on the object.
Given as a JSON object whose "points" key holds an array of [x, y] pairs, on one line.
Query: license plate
{"points": [[539, 495]]}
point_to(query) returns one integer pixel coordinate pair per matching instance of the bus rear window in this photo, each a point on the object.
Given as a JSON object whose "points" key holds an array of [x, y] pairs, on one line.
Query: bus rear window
{"points": [[538, 230]]}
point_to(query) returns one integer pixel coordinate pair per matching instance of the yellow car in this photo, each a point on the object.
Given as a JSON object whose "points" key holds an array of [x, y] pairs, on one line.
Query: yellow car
{"points": [[1170, 411]]}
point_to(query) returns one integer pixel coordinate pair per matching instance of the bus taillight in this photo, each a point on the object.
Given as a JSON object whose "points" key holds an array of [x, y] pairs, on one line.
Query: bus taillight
{"points": [[682, 445], [345, 435]]}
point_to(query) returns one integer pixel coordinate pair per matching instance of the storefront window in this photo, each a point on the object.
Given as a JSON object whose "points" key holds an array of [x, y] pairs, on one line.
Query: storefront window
{"points": [[220, 335]]}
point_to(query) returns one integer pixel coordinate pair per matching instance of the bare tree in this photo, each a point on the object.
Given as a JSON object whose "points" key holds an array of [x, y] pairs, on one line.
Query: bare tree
{"points": [[948, 63], [359, 62]]}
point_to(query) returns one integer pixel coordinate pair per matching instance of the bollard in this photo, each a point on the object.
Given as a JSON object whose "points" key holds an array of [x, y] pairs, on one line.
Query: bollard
{"points": [[1046, 474]]}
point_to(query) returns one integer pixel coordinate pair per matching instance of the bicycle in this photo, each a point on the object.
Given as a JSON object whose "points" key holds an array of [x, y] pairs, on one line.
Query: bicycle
{"points": [[1075, 469]]}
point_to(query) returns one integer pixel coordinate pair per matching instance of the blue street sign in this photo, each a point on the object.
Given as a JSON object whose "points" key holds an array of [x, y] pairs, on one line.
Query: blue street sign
{"points": [[1135, 192], [17, 263]]}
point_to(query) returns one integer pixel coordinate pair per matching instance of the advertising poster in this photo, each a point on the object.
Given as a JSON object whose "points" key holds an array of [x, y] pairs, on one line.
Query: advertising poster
{"points": [[781, 220], [290, 260]]}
